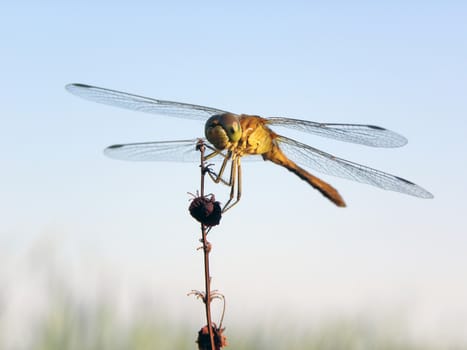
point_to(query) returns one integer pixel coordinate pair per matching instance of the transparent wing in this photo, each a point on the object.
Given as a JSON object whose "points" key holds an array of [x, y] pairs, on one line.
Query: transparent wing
{"points": [[369, 135], [168, 151], [328, 164], [143, 104]]}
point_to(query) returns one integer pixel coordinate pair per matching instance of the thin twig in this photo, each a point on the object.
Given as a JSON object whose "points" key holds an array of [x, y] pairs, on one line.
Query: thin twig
{"points": [[206, 250]]}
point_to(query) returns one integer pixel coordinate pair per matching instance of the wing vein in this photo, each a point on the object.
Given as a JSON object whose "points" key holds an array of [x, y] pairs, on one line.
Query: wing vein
{"points": [[328, 164]]}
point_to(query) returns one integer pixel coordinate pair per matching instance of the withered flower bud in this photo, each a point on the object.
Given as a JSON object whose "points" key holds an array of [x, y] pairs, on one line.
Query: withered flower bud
{"points": [[204, 342], [206, 210]]}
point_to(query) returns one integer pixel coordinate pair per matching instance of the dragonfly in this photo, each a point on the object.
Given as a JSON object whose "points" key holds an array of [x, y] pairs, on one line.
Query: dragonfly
{"points": [[232, 137]]}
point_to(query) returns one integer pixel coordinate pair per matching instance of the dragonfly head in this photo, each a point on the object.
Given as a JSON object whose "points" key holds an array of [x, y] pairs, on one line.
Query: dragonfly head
{"points": [[223, 129]]}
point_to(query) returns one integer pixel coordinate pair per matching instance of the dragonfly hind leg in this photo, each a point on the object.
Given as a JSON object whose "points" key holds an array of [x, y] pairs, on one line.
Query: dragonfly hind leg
{"points": [[235, 183]]}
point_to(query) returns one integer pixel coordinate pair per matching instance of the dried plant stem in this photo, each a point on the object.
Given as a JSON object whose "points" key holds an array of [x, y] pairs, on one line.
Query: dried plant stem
{"points": [[206, 251]]}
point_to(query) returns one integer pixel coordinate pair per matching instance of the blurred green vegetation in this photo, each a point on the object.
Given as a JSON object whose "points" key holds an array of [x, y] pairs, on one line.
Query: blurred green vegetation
{"points": [[41, 310], [71, 326]]}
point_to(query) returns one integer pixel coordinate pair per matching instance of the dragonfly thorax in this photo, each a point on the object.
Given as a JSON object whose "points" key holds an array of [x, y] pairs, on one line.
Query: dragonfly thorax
{"points": [[223, 129]]}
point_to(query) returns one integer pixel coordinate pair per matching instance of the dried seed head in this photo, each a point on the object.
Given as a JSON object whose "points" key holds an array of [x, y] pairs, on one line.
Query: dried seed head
{"points": [[204, 342], [206, 210]]}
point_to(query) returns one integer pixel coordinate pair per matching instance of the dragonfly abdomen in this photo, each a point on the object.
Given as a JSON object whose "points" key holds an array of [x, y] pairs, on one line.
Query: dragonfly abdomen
{"points": [[276, 156]]}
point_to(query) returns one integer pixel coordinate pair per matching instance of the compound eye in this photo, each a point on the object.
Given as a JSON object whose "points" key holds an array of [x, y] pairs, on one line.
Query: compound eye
{"points": [[232, 127]]}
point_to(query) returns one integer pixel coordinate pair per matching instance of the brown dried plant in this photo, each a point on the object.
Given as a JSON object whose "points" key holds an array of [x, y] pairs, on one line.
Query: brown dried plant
{"points": [[206, 210]]}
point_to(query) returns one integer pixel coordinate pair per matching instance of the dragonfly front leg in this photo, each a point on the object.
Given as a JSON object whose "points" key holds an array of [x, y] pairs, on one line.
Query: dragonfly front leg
{"points": [[218, 177]]}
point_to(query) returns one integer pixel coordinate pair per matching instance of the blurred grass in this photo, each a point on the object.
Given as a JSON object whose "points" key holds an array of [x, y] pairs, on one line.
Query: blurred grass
{"points": [[73, 326], [41, 310], [70, 328]]}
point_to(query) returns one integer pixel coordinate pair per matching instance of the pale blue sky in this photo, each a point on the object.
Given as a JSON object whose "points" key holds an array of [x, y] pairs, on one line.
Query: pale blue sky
{"points": [[401, 65]]}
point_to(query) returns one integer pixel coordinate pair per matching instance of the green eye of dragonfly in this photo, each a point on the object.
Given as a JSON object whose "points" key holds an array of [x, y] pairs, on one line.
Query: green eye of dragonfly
{"points": [[225, 127], [231, 125], [234, 132]]}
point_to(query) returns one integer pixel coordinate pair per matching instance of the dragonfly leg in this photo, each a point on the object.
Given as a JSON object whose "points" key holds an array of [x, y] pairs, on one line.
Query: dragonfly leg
{"points": [[233, 178], [218, 177], [236, 181], [214, 153], [239, 183]]}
